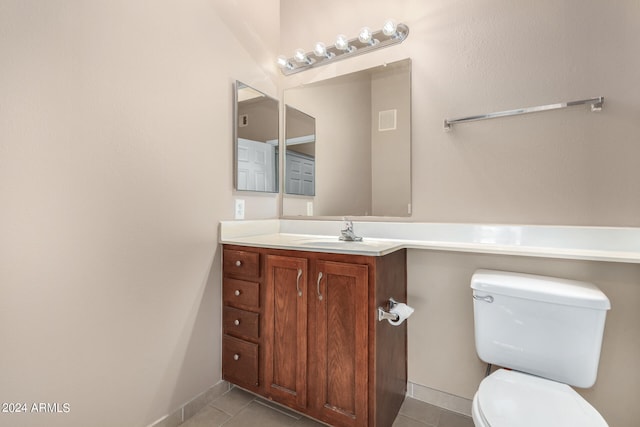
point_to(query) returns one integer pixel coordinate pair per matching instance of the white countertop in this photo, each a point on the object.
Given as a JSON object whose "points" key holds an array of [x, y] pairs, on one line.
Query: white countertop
{"points": [[317, 243], [612, 244]]}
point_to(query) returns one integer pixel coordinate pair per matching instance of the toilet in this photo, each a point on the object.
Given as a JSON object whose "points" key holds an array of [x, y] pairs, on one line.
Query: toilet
{"points": [[547, 333]]}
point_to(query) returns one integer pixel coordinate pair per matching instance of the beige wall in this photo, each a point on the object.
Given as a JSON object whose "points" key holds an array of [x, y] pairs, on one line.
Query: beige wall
{"points": [[563, 167], [115, 149], [469, 57]]}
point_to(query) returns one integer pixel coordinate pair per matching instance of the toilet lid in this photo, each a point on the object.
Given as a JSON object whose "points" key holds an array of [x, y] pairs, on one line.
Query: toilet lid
{"points": [[513, 399]]}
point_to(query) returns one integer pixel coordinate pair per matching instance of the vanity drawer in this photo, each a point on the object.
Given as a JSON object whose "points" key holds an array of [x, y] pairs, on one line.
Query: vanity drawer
{"points": [[241, 294], [239, 361], [240, 263], [241, 322]]}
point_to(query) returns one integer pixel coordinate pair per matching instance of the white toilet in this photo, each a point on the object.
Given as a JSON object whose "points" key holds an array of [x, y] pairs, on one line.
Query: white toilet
{"points": [[548, 332]]}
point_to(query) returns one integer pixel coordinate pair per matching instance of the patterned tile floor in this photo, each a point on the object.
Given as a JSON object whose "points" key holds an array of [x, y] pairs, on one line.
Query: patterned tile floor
{"points": [[237, 408]]}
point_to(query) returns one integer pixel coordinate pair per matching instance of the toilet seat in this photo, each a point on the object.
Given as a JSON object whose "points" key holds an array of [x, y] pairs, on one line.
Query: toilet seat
{"points": [[514, 399]]}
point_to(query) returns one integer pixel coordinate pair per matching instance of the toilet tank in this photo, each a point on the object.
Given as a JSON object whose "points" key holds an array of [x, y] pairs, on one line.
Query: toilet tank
{"points": [[540, 325]]}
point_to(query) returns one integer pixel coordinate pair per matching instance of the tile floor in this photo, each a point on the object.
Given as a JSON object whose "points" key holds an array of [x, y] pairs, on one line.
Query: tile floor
{"points": [[237, 408]]}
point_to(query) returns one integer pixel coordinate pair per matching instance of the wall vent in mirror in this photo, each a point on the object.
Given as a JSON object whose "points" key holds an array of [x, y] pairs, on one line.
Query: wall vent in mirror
{"points": [[367, 41], [387, 120]]}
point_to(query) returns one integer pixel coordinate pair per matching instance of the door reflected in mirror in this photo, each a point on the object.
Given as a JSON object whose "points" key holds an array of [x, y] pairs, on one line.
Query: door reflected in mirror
{"points": [[300, 154], [362, 145], [256, 140]]}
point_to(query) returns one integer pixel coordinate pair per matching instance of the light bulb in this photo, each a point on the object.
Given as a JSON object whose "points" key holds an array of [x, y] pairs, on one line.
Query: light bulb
{"points": [[283, 62], [365, 35], [389, 28], [320, 49], [342, 43], [300, 56]]}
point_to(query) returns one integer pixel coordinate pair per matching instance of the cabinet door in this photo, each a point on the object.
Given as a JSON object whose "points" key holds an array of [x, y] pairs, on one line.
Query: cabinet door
{"points": [[341, 345], [285, 330]]}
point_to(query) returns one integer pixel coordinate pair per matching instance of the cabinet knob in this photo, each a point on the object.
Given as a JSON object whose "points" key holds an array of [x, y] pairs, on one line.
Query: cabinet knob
{"points": [[237, 292], [236, 356], [236, 322], [238, 263]]}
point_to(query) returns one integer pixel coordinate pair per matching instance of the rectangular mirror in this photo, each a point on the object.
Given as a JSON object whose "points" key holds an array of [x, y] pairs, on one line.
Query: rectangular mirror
{"points": [[256, 140], [362, 146]]}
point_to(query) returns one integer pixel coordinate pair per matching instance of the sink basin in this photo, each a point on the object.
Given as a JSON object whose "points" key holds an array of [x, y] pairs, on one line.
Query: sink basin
{"points": [[364, 245], [326, 243], [336, 242]]}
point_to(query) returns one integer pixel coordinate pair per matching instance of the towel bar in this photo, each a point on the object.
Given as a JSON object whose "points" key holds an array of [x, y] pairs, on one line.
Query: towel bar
{"points": [[596, 105]]}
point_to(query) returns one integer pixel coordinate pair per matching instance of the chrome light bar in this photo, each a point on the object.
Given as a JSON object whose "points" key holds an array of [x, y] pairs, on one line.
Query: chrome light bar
{"points": [[367, 41]]}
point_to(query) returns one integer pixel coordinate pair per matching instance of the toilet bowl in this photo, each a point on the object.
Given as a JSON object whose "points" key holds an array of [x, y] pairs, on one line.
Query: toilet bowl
{"points": [[514, 399], [548, 333]]}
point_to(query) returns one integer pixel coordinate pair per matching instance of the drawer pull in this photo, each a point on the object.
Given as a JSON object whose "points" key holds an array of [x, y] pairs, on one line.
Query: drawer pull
{"points": [[236, 322], [236, 356], [238, 263], [237, 292]]}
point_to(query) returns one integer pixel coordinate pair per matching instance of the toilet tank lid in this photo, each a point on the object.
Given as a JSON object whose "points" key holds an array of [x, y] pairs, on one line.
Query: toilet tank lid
{"points": [[540, 288]]}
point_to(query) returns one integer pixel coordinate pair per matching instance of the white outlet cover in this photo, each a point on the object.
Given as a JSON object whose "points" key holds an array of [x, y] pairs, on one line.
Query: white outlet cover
{"points": [[239, 210]]}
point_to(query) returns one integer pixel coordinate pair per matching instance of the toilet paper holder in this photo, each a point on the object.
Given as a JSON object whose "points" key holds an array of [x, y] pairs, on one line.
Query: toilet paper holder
{"points": [[385, 314]]}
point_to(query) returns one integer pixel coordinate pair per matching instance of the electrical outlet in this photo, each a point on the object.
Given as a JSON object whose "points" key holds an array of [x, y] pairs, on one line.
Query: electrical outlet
{"points": [[239, 212], [309, 208]]}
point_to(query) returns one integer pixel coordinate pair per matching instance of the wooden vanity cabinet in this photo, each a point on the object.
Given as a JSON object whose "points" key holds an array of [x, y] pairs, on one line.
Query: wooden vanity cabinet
{"points": [[320, 347]]}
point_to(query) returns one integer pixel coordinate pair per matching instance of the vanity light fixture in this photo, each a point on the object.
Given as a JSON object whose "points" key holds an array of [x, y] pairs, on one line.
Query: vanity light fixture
{"points": [[367, 40]]}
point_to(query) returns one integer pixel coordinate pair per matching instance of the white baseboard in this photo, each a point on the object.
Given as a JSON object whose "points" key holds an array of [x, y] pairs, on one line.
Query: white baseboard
{"points": [[439, 398]]}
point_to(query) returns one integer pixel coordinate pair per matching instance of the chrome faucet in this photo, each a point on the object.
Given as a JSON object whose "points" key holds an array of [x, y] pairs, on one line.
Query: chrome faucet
{"points": [[347, 233]]}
